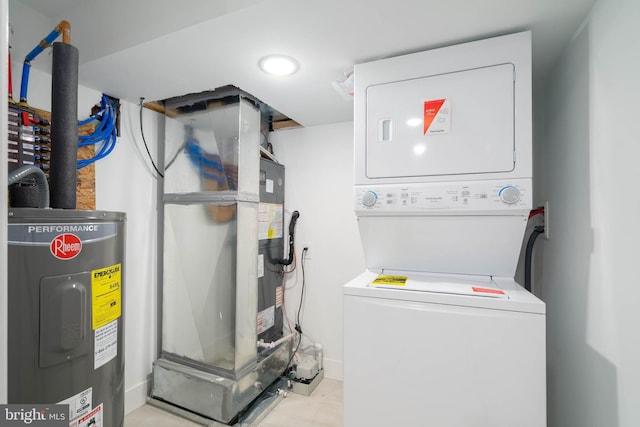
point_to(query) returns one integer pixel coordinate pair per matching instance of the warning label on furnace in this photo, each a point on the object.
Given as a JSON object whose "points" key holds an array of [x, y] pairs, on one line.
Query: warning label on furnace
{"points": [[266, 319], [269, 221], [106, 295]]}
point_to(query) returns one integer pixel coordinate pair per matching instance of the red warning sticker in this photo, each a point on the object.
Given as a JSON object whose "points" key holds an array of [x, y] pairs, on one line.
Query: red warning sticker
{"points": [[487, 290], [65, 246], [437, 117]]}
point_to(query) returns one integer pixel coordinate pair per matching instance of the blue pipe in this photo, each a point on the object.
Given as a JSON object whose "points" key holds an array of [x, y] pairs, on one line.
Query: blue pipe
{"points": [[25, 81], [44, 43], [105, 132]]}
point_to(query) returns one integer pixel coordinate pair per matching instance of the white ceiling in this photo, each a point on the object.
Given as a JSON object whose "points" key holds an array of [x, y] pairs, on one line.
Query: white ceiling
{"points": [[158, 49]]}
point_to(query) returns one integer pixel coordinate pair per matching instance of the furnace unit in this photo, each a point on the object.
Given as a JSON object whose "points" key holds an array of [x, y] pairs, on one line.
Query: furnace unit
{"points": [[222, 233]]}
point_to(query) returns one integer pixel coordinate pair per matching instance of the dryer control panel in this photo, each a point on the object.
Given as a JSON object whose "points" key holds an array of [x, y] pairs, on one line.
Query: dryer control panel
{"points": [[445, 198]]}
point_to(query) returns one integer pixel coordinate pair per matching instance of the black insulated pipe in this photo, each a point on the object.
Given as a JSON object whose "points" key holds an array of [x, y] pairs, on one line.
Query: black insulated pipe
{"points": [[292, 227], [64, 126], [537, 231]]}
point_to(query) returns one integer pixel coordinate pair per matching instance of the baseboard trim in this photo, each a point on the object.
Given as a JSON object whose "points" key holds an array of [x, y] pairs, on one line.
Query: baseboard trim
{"points": [[136, 396], [332, 369]]}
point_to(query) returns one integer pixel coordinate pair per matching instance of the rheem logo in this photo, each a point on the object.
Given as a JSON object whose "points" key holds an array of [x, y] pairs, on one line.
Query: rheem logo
{"points": [[66, 246]]}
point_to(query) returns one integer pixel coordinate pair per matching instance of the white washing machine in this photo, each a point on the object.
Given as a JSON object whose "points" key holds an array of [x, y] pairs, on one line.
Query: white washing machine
{"points": [[436, 331], [463, 352]]}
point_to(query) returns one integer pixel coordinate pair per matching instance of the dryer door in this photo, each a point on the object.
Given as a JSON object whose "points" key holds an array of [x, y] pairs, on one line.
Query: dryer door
{"points": [[447, 124]]}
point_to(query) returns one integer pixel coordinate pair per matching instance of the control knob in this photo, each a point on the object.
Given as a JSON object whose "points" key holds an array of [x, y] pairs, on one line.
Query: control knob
{"points": [[509, 194], [369, 198]]}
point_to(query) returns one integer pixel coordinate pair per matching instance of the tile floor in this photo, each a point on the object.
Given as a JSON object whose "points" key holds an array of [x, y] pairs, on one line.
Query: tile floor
{"points": [[322, 409]]}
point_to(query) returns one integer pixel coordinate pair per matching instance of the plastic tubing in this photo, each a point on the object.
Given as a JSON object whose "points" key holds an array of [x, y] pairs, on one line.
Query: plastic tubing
{"points": [[41, 182], [104, 129], [272, 344], [105, 150], [64, 28], [105, 132]]}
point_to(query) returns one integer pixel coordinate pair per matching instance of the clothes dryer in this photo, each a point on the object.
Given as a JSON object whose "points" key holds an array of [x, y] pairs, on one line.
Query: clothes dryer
{"points": [[436, 331]]}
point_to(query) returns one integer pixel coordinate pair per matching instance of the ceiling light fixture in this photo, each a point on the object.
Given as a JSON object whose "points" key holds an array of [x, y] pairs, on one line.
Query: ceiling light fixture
{"points": [[278, 65]]}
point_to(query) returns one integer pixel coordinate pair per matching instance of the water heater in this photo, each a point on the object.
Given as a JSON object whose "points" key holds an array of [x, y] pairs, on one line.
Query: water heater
{"points": [[66, 312]]}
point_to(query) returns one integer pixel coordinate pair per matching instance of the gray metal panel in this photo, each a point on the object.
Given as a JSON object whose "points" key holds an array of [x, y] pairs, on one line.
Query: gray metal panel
{"points": [[31, 262], [274, 172], [65, 328], [272, 251], [213, 396]]}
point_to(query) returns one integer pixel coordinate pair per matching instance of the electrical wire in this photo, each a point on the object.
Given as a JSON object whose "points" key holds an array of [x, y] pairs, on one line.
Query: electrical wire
{"points": [[145, 142], [298, 327], [536, 211], [295, 352], [286, 317], [175, 156]]}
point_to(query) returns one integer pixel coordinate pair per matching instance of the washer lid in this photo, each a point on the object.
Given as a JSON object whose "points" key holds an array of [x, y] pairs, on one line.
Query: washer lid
{"points": [[472, 286], [444, 290]]}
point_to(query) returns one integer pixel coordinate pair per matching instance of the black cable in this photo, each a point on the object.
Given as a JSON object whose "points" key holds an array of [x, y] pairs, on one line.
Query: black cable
{"points": [[173, 159], [298, 327], [293, 353], [529, 254], [145, 142]]}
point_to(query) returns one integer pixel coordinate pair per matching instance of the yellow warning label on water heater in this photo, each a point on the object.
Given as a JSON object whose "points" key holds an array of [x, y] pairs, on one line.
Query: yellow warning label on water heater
{"points": [[391, 280], [106, 295]]}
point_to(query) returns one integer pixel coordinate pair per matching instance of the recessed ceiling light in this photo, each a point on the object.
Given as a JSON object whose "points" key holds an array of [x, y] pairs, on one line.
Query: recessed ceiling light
{"points": [[278, 65]]}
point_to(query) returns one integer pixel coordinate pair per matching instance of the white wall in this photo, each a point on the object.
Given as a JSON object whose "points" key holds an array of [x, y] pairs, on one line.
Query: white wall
{"points": [[125, 183], [319, 184], [589, 272]]}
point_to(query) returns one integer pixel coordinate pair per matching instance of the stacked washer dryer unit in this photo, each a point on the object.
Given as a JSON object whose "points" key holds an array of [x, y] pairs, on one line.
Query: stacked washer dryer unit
{"points": [[444, 336]]}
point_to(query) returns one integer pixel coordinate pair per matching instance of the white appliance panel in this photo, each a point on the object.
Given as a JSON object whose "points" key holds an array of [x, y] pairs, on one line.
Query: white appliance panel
{"points": [[454, 123], [486, 82], [438, 360], [512, 197], [476, 245]]}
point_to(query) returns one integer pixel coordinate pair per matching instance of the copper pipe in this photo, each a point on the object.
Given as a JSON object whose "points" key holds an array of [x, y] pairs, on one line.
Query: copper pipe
{"points": [[65, 28]]}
